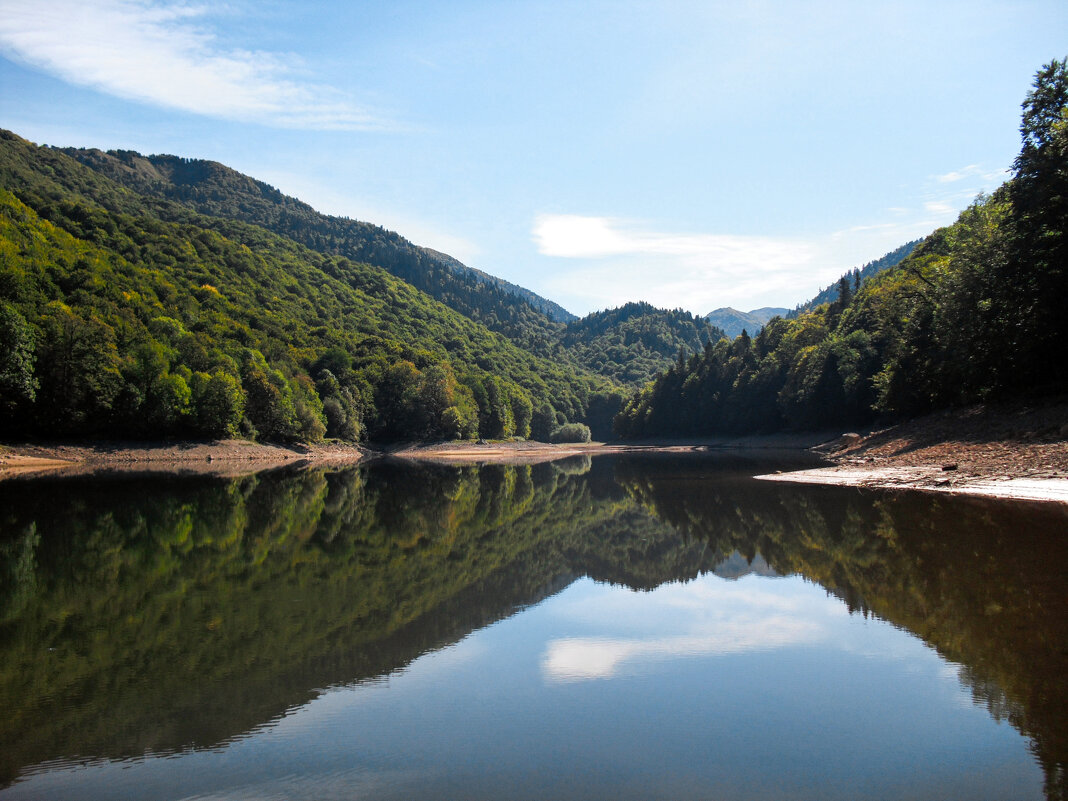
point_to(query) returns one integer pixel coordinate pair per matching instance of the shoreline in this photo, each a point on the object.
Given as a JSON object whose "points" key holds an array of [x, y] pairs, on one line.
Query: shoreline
{"points": [[236, 457], [1015, 452], [931, 479], [231, 457]]}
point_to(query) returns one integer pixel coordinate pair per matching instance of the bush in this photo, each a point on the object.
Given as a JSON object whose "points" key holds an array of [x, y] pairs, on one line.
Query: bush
{"points": [[571, 432]]}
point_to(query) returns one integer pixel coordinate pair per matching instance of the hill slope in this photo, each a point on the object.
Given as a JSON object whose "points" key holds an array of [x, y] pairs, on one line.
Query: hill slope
{"points": [[974, 313], [128, 315], [858, 276], [633, 342], [215, 190]]}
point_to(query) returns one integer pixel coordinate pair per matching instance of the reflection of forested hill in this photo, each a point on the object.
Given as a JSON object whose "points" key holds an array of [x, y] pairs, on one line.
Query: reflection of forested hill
{"points": [[981, 582], [152, 617]]}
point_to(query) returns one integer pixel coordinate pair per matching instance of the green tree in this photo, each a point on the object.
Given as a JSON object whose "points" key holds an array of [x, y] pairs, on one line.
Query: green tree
{"points": [[218, 402], [18, 384]]}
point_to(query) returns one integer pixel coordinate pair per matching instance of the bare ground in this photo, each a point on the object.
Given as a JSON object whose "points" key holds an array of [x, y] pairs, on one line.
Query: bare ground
{"points": [[1010, 451], [217, 457]]}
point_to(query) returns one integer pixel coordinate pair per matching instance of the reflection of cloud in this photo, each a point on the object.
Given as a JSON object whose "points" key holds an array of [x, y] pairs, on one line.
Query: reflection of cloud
{"points": [[708, 616], [156, 52], [575, 659]]}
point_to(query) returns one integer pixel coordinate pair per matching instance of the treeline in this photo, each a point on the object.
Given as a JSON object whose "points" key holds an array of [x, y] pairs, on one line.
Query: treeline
{"points": [[857, 276], [976, 312], [126, 316]]}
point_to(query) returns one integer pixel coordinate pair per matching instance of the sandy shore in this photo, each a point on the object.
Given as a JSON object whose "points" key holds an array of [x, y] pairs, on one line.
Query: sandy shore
{"points": [[218, 457], [1015, 451]]}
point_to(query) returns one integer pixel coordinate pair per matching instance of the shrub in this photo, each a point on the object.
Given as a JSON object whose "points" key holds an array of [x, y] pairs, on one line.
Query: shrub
{"points": [[571, 432]]}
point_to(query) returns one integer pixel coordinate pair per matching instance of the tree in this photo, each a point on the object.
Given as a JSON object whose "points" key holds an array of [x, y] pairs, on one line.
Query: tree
{"points": [[218, 403], [1037, 282], [18, 384], [78, 367], [542, 422]]}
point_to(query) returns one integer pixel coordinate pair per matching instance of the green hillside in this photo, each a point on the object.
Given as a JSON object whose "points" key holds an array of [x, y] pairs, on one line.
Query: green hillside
{"points": [[213, 189], [126, 315], [634, 342]]}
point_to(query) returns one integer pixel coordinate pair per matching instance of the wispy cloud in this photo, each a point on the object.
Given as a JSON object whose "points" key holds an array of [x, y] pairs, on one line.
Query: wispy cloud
{"points": [[959, 175], [620, 260], [167, 54], [616, 260]]}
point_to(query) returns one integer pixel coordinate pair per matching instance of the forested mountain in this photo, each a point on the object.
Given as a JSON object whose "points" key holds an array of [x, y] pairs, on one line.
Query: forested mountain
{"points": [[531, 321], [130, 315], [975, 312], [215, 190], [733, 322], [856, 277], [632, 343]]}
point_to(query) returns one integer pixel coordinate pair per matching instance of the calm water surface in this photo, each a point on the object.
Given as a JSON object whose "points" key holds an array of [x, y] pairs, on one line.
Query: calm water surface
{"points": [[655, 627]]}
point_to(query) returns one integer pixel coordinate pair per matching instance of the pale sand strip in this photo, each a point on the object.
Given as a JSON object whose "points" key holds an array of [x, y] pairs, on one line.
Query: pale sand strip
{"points": [[932, 479]]}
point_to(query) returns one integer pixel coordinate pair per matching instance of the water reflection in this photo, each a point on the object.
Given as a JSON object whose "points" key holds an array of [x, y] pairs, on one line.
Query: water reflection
{"points": [[683, 620], [140, 616]]}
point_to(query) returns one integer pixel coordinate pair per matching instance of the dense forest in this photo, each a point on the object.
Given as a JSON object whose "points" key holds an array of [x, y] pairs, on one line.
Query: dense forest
{"points": [[163, 297], [976, 312], [527, 319], [634, 342], [126, 315]]}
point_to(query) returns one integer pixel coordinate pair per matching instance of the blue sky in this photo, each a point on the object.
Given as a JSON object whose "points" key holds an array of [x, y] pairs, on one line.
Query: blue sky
{"points": [[693, 155]]}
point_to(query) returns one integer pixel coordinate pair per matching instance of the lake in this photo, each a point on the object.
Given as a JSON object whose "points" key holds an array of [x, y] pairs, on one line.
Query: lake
{"points": [[625, 627]]}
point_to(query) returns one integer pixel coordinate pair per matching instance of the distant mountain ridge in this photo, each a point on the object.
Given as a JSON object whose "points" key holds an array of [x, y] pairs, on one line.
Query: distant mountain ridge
{"points": [[733, 322]]}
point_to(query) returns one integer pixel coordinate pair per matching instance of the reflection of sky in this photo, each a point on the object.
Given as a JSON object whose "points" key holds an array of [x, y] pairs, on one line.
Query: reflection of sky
{"points": [[743, 689], [704, 617]]}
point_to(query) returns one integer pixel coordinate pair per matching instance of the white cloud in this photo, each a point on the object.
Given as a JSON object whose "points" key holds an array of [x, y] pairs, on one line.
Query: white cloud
{"points": [[959, 175], [615, 260], [620, 261], [166, 55], [576, 236]]}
